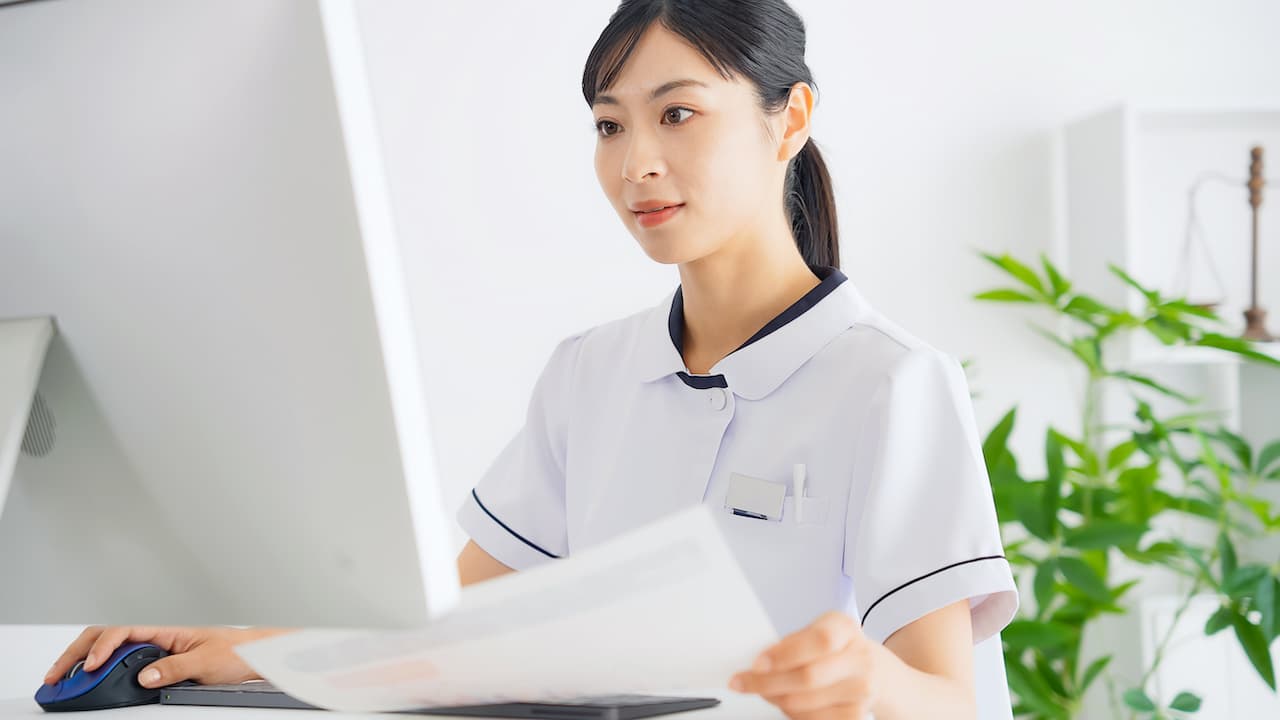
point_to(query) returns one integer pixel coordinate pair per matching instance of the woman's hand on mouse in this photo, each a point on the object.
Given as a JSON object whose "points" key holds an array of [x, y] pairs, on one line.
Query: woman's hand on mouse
{"points": [[203, 654]]}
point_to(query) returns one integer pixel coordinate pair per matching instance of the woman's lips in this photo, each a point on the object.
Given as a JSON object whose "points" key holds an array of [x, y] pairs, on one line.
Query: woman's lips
{"points": [[653, 219]]}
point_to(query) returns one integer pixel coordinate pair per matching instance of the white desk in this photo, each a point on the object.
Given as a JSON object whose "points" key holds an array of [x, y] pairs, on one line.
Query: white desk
{"points": [[29, 650], [738, 708]]}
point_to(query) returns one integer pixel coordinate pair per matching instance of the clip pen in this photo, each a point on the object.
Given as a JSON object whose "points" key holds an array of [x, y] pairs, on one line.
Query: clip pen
{"points": [[797, 489]]}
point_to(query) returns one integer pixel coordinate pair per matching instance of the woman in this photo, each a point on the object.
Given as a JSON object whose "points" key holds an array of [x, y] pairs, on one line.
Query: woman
{"points": [[764, 366]]}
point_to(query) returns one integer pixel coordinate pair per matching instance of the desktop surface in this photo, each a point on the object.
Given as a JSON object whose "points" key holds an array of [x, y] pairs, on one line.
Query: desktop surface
{"points": [[732, 705], [30, 648]]}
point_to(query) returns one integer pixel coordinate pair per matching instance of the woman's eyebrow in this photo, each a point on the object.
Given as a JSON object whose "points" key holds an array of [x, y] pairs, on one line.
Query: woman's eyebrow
{"points": [[663, 88]]}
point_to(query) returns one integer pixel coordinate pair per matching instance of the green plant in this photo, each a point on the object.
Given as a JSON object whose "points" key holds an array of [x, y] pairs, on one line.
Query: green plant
{"points": [[1102, 491]]}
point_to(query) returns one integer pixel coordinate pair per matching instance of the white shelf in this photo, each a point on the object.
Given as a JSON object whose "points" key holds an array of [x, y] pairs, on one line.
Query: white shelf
{"points": [[1128, 172], [1188, 355]]}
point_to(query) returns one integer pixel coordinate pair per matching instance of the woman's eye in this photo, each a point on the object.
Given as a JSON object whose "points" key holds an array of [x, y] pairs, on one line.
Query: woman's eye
{"points": [[609, 128], [676, 111]]}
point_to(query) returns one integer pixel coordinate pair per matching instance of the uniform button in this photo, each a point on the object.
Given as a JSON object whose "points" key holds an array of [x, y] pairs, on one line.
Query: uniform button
{"points": [[718, 398]]}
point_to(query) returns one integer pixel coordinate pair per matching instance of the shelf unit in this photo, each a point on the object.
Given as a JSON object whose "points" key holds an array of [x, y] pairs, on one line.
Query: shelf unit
{"points": [[1127, 176]]}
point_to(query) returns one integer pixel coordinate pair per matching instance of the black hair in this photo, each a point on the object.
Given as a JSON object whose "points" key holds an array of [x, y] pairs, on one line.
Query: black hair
{"points": [[760, 40]]}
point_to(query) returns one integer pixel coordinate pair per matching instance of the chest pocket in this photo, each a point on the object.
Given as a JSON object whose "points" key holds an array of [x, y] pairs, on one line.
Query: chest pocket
{"points": [[808, 511], [767, 501]]}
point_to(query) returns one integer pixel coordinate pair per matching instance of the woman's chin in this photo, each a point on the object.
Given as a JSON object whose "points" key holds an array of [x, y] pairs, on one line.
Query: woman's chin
{"points": [[669, 250]]}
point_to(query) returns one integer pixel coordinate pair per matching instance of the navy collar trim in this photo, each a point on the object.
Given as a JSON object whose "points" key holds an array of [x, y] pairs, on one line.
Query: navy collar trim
{"points": [[702, 382], [770, 356], [831, 278]]}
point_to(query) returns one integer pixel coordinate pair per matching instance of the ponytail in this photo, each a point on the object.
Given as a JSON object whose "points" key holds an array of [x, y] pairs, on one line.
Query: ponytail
{"points": [[810, 204]]}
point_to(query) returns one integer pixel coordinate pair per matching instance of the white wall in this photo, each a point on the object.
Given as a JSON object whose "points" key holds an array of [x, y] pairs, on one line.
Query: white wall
{"points": [[938, 120]]}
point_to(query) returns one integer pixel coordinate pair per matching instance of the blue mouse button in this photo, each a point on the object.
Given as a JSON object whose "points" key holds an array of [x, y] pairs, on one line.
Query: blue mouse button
{"points": [[112, 684]]}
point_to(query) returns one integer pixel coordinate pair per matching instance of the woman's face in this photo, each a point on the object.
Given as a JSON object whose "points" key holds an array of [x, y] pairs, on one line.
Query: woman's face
{"points": [[704, 146]]}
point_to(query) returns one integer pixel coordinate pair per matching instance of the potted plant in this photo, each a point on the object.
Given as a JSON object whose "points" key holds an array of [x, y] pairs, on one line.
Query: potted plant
{"points": [[1103, 495]]}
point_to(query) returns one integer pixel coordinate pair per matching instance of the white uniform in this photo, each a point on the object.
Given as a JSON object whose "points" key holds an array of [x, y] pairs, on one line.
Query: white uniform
{"points": [[898, 518]]}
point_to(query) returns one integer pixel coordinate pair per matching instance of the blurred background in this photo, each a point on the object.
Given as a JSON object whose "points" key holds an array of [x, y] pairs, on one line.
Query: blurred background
{"points": [[942, 125], [1075, 131]]}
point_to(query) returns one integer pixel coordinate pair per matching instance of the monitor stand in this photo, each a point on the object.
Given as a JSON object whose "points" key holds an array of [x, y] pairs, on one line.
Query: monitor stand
{"points": [[23, 343]]}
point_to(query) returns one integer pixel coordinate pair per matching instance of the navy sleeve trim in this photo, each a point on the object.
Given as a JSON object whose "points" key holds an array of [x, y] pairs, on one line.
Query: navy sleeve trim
{"points": [[518, 536], [922, 577]]}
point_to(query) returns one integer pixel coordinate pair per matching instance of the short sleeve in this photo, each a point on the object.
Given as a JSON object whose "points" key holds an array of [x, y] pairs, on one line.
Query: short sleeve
{"points": [[516, 511], [922, 530]]}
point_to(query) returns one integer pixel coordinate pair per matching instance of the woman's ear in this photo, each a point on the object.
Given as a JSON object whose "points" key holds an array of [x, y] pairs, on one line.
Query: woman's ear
{"points": [[795, 121]]}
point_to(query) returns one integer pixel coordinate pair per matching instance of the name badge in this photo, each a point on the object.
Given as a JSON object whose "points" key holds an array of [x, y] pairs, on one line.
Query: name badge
{"points": [[753, 497]]}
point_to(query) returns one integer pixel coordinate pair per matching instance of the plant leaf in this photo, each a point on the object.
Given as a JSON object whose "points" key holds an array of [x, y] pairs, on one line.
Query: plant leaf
{"points": [[1138, 485], [1052, 678], [1091, 673], [1138, 700], [996, 444], [1226, 555], [1220, 620], [1267, 600], [1032, 691], [1158, 552], [1103, 534], [1186, 702], [1154, 385], [1005, 295], [1239, 346], [1084, 354], [1021, 272], [1084, 308], [1194, 554], [1243, 581], [1186, 308], [1037, 634], [1268, 455], [1152, 296], [1029, 507], [1237, 445], [1120, 453], [1081, 575], [1255, 646], [1089, 351], [1059, 284], [1057, 471], [1166, 330], [1043, 584]]}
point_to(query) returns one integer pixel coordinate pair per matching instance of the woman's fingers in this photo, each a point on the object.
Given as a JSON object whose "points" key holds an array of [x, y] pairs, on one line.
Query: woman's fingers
{"points": [[829, 634], [193, 665], [112, 638], [822, 673], [853, 694], [74, 652]]}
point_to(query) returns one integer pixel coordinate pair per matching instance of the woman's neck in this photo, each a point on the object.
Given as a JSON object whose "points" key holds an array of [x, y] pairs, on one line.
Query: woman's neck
{"points": [[730, 295]]}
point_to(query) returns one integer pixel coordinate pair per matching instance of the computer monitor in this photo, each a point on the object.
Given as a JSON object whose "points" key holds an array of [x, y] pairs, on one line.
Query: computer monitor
{"points": [[228, 422]]}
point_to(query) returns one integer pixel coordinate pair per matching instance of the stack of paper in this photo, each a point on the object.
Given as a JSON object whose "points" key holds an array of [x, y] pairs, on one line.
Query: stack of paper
{"points": [[662, 608]]}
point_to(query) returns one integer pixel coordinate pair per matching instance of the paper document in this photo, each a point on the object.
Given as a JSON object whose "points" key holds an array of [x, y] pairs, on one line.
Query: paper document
{"points": [[661, 608]]}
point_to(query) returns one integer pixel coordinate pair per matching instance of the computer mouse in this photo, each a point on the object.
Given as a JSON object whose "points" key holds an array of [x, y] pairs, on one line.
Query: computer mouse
{"points": [[112, 684]]}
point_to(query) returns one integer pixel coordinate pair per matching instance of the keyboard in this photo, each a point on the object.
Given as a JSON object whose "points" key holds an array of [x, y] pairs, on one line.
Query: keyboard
{"points": [[625, 706]]}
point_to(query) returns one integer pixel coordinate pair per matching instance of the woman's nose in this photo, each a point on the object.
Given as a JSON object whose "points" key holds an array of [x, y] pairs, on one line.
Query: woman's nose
{"points": [[643, 159]]}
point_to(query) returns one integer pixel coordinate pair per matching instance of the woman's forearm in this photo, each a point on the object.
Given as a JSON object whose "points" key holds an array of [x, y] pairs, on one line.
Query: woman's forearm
{"points": [[907, 693]]}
